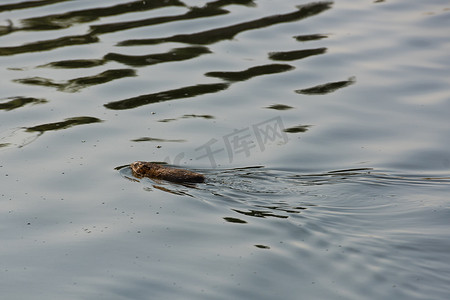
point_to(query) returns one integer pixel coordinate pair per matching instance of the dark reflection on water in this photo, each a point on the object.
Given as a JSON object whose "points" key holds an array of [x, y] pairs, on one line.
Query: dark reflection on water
{"points": [[64, 20], [187, 117], [227, 33], [169, 190], [234, 220], [209, 10], [60, 21], [176, 54], [297, 54], [193, 13], [67, 123], [297, 129], [280, 107], [28, 4], [16, 102], [49, 44], [74, 85], [310, 37], [5, 29], [181, 93], [75, 64], [327, 87], [262, 246], [260, 213], [39, 81], [150, 139], [280, 210], [251, 72]]}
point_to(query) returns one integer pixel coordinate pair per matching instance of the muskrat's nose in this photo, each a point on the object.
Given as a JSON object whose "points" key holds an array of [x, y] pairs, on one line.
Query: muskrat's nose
{"points": [[136, 165]]}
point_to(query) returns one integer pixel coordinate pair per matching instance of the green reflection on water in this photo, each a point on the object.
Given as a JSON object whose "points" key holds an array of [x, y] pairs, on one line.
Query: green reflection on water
{"points": [[327, 87], [227, 33], [49, 44], [28, 4], [251, 72], [75, 63], [16, 102], [193, 13], [74, 85], [297, 54], [150, 139], [280, 107], [177, 54], [209, 10], [310, 37], [184, 92], [60, 21], [67, 123], [297, 129]]}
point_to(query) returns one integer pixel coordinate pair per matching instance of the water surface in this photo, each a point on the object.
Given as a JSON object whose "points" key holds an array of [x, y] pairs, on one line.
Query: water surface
{"points": [[322, 128]]}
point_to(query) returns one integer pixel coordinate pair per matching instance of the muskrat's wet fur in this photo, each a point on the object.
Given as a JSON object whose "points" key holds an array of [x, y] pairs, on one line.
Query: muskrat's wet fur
{"points": [[157, 171]]}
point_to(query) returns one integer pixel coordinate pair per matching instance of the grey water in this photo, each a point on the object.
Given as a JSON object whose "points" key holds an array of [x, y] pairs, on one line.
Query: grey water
{"points": [[321, 127]]}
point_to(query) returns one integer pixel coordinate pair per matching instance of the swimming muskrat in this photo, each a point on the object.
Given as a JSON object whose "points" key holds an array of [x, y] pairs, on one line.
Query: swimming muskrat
{"points": [[157, 171]]}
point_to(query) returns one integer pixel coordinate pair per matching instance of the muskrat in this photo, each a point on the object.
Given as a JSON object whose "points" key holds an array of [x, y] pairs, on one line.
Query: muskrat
{"points": [[157, 171]]}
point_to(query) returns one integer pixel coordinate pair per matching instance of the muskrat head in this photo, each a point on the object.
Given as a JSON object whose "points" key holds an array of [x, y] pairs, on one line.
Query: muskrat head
{"points": [[139, 166]]}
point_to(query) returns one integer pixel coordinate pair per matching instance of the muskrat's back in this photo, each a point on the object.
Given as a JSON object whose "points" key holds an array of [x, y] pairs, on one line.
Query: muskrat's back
{"points": [[157, 171]]}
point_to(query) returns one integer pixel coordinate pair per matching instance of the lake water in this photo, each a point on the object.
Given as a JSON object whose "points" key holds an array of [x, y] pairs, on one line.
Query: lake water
{"points": [[322, 129]]}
